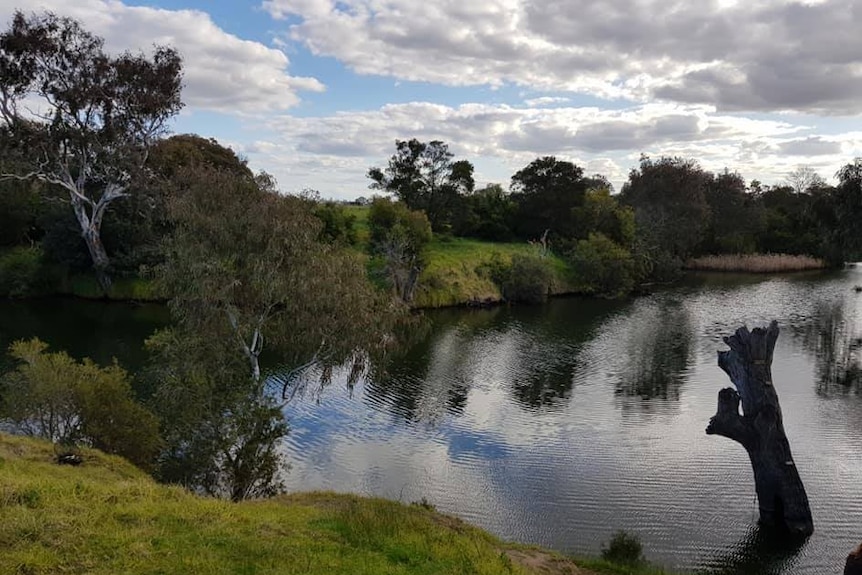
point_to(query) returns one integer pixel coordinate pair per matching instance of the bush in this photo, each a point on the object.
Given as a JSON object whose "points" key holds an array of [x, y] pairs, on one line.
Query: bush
{"points": [[624, 549], [51, 395], [527, 280], [22, 272], [603, 267]]}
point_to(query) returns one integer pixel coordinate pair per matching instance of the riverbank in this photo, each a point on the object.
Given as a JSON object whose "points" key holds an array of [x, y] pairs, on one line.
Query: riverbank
{"points": [[105, 516]]}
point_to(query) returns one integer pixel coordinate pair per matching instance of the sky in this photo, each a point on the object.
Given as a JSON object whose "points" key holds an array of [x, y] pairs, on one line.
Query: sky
{"points": [[317, 91]]}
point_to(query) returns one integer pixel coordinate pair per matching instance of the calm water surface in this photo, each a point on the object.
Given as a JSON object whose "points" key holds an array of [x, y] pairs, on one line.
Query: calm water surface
{"points": [[560, 424]]}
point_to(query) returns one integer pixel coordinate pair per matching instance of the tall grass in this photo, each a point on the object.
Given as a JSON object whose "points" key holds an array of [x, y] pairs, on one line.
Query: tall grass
{"points": [[755, 263]]}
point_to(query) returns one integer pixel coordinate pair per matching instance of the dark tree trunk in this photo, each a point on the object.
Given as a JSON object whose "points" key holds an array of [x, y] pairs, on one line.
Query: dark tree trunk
{"points": [[760, 430]]}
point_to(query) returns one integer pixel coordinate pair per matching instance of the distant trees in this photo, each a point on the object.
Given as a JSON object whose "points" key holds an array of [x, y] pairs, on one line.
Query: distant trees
{"points": [[669, 200], [97, 119], [425, 177], [546, 192], [846, 201]]}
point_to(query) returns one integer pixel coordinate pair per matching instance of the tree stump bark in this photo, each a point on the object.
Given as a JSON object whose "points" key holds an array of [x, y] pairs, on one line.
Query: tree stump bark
{"points": [[760, 430]]}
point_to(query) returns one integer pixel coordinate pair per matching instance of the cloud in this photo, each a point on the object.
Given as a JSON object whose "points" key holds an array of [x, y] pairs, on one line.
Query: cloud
{"points": [[765, 55], [221, 71], [811, 146], [333, 153]]}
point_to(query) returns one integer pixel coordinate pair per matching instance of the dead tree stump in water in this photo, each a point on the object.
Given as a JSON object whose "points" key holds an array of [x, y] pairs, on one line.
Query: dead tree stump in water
{"points": [[780, 493]]}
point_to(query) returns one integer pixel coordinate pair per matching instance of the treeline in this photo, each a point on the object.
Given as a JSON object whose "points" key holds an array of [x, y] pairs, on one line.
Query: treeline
{"points": [[668, 211]]}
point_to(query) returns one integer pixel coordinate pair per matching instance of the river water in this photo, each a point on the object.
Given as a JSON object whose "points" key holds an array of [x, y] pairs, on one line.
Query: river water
{"points": [[561, 424]]}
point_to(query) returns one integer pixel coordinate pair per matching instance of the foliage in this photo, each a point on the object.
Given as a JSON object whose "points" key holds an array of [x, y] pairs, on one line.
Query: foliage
{"points": [[669, 199], [398, 236], [51, 395], [168, 157], [22, 272], [528, 279], [486, 214], [19, 208], [105, 517], [602, 213], [546, 192], [602, 266], [221, 430], [245, 267], [101, 113], [624, 548], [245, 264], [847, 205], [339, 225], [424, 177]]}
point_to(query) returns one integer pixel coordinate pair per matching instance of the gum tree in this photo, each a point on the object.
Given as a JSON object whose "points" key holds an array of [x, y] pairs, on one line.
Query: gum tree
{"points": [[79, 118]]}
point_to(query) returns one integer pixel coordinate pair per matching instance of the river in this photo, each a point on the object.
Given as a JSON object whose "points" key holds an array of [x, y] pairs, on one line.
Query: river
{"points": [[561, 424]]}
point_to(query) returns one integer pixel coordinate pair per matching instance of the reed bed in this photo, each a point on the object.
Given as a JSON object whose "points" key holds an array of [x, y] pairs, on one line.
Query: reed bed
{"points": [[755, 263]]}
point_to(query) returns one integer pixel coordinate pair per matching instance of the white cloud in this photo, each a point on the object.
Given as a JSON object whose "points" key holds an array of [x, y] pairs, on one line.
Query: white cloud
{"points": [[333, 153], [764, 55], [221, 71]]}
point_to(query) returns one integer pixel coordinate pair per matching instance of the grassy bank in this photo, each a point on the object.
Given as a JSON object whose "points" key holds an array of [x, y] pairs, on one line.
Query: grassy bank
{"points": [[755, 263], [106, 517], [458, 271]]}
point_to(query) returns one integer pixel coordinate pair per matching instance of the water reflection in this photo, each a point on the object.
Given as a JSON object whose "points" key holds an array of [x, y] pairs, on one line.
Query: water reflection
{"points": [[760, 552], [835, 341], [532, 352], [657, 350]]}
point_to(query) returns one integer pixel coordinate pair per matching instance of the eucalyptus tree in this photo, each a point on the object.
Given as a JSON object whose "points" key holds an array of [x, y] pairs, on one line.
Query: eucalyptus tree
{"points": [[246, 271], [79, 118], [425, 177]]}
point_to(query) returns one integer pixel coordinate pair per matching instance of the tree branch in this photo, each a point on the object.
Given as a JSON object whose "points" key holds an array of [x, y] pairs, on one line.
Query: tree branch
{"points": [[727, 421]]}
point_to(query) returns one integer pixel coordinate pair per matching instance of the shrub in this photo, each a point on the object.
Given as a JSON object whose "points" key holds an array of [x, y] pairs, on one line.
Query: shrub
{"points": [[527, 280], [624, 549], [51, 395], [603, 267], [21, 272]]}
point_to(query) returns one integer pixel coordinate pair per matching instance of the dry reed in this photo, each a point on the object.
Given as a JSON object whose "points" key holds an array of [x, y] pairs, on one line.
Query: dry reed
{"points": [[755, 263]]}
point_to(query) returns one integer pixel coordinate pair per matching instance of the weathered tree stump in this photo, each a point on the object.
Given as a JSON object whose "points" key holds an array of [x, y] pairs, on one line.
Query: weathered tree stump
{"points": [[759, 428], [853, 565]]}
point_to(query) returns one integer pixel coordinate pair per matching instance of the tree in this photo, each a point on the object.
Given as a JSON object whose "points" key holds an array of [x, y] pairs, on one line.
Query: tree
{"points": [[98, 115], [247, 262], [398, 236], [546, 192], [760, 428], [246, 270], [488, 214], [735, 218], [425, 178], [804, 179], [847, 206], [669, 199]]}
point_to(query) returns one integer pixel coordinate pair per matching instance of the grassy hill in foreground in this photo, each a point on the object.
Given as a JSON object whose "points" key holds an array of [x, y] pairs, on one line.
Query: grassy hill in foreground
{"points": [[107, 517]]}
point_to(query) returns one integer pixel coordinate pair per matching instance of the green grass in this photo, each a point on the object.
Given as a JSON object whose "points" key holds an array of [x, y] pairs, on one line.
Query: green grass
{"points": [[106, 517], [456, 271]]}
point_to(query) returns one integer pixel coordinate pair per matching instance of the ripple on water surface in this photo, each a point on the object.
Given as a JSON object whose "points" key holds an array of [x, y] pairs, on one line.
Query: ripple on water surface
{"points": [[561, 424]]}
